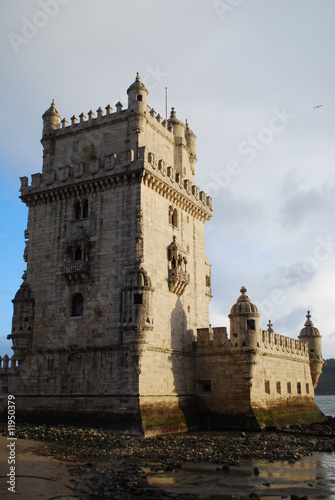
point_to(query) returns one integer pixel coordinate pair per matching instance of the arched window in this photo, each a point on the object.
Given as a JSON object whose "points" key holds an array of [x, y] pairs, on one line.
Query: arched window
{"points": [[170, 214], [77, 305], [85, 209], [77, 210], [175, 218]]}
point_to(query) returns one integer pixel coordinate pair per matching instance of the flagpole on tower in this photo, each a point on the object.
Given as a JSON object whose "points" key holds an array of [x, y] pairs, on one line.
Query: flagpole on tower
{"points": [[165, 103]]}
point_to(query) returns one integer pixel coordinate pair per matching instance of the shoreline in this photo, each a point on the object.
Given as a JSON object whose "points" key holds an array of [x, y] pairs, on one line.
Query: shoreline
{"points": [[99, 464]]}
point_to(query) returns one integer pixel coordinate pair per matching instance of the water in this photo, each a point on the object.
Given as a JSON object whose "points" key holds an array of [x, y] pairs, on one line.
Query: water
{"points": [[326, 404], [312, 476]]}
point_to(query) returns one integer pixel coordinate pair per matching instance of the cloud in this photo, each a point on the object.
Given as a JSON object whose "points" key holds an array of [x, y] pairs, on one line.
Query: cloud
{"points": [[301, 207]]}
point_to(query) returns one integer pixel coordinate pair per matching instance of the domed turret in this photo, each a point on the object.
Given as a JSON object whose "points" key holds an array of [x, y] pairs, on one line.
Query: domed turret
{"points": [[312, 335], [23, 320], [178, 126], [136, 306], [137, 96], [244, 322], [51, 120]]}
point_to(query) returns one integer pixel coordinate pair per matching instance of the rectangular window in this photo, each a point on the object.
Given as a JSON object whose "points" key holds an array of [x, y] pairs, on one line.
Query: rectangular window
{"points": [[289, 388], [250, 324], [138, 298], [267, 386], [278, 387], [299, 387], [307, 388], [207, 386]]}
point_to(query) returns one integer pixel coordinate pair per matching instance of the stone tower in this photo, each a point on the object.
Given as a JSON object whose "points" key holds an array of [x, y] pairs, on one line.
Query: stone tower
{"points": [[117, 278]]}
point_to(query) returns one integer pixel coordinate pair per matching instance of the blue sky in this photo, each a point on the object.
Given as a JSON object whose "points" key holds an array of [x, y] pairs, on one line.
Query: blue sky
{"points": [[247, 74]]}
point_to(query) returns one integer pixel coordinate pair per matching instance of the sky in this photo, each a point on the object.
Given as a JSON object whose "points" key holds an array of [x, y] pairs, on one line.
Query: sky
{"points": [[254, 78]]}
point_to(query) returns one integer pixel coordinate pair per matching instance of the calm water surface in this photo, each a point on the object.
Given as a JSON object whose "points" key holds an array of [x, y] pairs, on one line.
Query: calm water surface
{"points": [[326, 404], [312, 476]]}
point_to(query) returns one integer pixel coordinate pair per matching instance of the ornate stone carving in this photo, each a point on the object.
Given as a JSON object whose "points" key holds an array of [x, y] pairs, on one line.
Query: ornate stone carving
{"points": [[110, 162], [79, 169], [177, 274]]}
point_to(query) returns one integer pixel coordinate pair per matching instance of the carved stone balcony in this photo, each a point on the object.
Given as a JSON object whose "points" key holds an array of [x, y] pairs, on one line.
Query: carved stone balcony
{"points": [[76, 271], [177, 281]]}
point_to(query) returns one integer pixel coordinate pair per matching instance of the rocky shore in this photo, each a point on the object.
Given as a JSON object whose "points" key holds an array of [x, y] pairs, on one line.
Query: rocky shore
{"points": [[105, 465]]}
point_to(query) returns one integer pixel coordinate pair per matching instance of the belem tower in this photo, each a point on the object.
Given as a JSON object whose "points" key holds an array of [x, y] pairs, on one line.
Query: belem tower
{"points": [[111, 322]]}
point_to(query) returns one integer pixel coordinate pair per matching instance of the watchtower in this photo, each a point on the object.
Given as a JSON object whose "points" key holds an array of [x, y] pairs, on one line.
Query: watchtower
{"points": [[117, 278]]}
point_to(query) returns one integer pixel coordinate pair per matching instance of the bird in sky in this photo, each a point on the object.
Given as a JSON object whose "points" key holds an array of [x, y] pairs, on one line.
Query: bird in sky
{"points": [[319, 106]]}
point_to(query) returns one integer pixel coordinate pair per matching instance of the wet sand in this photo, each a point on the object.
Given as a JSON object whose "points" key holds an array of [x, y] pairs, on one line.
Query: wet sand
{"points": [[36, 476]]}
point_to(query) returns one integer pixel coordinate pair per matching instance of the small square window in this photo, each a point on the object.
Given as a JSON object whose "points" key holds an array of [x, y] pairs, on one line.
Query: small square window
{"points": [[139, 98], [207, 386]]}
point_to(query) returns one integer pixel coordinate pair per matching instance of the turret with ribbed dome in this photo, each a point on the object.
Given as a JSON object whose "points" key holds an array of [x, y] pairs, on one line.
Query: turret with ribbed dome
{"points": [[137, 96], [244, 322], [312, 335], [51, 120]]}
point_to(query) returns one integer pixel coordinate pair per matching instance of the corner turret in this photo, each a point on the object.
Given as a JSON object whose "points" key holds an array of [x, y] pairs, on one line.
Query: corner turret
{"points": [[312, 335], [51, 120], [136, 307], [244, 322], [178, 127], [137, 96], [191, 144], [23, 320]]}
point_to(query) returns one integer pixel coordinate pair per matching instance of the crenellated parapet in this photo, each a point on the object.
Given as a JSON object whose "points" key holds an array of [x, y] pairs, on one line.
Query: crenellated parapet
{"points": [[162, 177], [114, 170], [271, 342], [8, 365], [213, 340]]}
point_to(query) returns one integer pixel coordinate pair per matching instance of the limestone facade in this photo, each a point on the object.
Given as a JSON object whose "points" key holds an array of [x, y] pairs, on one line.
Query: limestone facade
{"points": [[111, 320]]}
